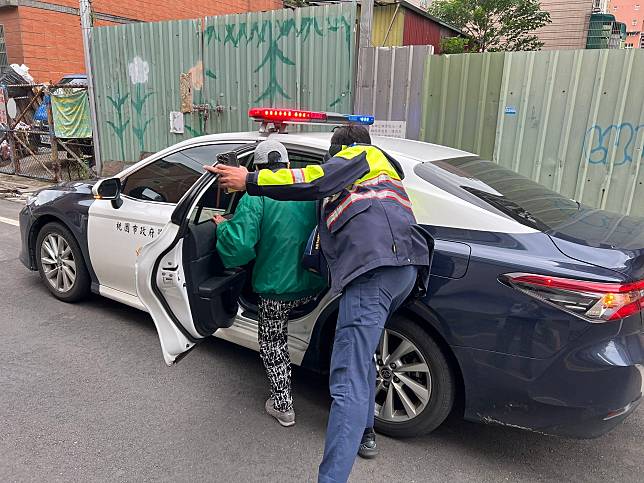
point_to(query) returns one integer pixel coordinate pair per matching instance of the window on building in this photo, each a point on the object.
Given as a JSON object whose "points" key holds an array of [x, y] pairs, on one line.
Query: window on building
{"points": [[634, 22], [4, 61], [629, 45], [637, 7]]}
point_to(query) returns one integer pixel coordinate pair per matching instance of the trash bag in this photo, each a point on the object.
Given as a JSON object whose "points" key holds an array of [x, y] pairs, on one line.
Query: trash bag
{"points": [[41, 112]]}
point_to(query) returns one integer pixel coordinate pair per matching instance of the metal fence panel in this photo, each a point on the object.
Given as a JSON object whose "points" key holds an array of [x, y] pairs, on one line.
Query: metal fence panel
{"points": [[137, 68], [574, 121], [300, 58], [460, 102], [292, 58], [393, 84]]}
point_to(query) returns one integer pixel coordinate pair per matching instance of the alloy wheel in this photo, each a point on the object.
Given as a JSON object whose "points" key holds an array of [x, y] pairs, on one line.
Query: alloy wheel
{"points": [[58, 264], [404, 381]]}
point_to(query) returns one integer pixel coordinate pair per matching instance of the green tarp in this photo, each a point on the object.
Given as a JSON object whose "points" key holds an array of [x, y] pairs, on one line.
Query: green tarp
{"points": [[70, 110]]}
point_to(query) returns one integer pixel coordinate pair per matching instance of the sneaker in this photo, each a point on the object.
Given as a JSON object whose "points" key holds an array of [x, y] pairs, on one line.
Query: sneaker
{"points": [[368, 448], [285, 418]]}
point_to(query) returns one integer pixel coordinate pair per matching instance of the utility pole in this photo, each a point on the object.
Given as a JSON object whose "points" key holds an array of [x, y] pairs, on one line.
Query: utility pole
{"points": [[87, 23], [366, 20]]}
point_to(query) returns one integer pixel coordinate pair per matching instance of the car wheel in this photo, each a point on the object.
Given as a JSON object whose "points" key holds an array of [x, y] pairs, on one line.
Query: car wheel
{"points": [[60, 263], [415, 385]]}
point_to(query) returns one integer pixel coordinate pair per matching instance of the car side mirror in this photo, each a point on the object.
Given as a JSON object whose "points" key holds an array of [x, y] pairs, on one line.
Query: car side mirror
{"points": [[109, 189]]}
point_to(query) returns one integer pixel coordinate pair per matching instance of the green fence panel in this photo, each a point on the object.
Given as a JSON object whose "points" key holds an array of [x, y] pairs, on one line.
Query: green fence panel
{"points": [[574, 121], [460, 102], [136, 71], [300, 58]]}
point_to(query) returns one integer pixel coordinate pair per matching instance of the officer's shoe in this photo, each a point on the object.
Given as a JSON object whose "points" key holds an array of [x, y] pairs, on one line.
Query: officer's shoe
{"points": [[368, 448], [285, 418]]}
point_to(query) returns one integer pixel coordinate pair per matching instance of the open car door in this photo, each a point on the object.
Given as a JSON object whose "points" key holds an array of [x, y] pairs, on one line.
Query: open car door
{"points": [[180, 278]]}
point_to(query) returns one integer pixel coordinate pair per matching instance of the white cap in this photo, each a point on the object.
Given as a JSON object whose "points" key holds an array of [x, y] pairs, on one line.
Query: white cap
{"points": [[264, 153]]}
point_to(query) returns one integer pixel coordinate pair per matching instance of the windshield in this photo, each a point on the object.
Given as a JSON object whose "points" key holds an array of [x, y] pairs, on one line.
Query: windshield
{"points": [[498, 189]]}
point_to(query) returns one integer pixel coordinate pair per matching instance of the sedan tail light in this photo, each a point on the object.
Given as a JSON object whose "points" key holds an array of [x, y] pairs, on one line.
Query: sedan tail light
{"points": [[594, 301]]}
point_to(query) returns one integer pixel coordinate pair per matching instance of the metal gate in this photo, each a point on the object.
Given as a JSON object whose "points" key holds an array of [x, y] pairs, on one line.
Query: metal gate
{"points": [[29, 145]]}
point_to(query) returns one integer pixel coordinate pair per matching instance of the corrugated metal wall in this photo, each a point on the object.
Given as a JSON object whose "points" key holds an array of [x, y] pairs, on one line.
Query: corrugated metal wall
{"points": [[460, 102], [137, 68], [419, 31], [393, 85], [293, 58], [388, 25], [574, 121]]}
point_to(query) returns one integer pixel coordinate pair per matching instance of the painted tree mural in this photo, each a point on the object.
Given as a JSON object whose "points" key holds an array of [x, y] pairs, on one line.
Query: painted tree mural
{"points": [[273, 60], [271, 34]]}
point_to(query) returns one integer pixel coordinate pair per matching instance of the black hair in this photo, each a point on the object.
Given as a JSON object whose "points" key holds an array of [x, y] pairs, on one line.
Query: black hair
{"points": [[275, 166], [348, 135]]}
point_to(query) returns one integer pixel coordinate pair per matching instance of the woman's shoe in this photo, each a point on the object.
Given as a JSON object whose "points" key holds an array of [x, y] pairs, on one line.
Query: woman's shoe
{"points": [[285, 418]]}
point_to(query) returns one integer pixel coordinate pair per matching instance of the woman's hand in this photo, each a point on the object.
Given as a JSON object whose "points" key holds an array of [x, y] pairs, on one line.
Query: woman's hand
{"points": [[218, 219]]}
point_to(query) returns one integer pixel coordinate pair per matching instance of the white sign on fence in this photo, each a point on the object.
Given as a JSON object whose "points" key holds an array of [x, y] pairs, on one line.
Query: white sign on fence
{"points": [[391, 129]]}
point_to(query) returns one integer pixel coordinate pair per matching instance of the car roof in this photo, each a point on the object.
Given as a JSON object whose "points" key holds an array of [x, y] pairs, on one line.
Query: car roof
{"points": [[417, 150]]}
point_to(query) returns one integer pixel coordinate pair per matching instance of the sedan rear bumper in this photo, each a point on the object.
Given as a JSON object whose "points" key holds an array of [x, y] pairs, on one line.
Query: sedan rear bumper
{"points": [[583, 392]]}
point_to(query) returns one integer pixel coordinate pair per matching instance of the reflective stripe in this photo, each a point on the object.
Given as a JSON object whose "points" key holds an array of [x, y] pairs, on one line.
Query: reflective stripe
{"points": [[353, 197], [298, 175], [383, 178]]}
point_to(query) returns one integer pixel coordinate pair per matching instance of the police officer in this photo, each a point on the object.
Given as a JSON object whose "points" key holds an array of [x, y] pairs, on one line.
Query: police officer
{"points": [[373, 248]]}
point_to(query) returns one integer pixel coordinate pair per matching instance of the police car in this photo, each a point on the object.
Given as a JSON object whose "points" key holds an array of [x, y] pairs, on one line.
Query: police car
{"points": [[533, 317]]}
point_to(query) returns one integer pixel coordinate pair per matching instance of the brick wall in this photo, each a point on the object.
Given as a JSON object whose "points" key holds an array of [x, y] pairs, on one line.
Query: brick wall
{"points": [[51, 45]]}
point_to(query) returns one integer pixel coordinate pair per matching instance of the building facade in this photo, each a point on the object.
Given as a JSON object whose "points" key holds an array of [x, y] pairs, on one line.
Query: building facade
{"points": [[631, 13], [569, 26], [46, 35]]}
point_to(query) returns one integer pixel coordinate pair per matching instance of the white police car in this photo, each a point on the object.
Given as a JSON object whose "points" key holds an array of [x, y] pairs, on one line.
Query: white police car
{"points": [[535, 301]]}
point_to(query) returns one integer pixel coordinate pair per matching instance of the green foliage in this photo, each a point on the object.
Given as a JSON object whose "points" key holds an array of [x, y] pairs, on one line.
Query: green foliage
{"points": [[495, 25], [454, 45]]}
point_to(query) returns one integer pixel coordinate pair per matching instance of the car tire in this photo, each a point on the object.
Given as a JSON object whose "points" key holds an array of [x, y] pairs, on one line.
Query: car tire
{"points": [[65, 274], [439, 379]]}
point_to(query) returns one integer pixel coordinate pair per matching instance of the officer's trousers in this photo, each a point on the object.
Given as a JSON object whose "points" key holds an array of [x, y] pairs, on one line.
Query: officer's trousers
{"points": [[365, 306]]}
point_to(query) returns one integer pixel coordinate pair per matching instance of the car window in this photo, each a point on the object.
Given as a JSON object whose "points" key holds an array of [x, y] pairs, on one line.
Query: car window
{"points": [[217, 201], [498, 189], [166, 180]]}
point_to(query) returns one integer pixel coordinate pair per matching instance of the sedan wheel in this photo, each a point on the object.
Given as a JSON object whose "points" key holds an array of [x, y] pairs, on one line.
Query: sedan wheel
{"points": [[415, 386], [61, 264], [404, 381], [58, 262]]}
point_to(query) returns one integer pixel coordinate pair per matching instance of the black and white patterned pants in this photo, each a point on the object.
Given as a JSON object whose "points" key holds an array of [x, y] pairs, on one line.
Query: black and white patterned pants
{"points": [[273, 347]]}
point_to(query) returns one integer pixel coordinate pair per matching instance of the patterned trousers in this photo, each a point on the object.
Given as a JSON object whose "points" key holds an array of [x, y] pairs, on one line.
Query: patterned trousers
{"points": [[273, 347]]}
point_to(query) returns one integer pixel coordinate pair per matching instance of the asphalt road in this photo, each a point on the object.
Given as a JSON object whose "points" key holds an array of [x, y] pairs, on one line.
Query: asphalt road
{"points": [[85, 396]]}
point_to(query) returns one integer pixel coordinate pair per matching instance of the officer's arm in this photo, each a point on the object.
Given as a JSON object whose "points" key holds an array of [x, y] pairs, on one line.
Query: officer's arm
{"points": [[237, 238], [312, 182]]}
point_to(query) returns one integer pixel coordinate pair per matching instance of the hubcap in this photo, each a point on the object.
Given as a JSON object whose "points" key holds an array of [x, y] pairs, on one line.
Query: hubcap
{"points": [[404, 381], [58, 263]]}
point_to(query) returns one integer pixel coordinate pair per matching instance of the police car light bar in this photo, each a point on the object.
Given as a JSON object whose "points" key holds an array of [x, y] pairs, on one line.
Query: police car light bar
{"points": [[293, 116]]}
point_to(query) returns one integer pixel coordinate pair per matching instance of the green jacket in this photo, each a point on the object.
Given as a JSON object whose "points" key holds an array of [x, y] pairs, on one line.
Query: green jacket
{"points": [[274, 233]]}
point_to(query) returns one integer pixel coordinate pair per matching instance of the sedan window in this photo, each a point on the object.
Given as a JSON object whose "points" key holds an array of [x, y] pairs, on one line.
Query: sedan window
{"points": [[166, 180]]}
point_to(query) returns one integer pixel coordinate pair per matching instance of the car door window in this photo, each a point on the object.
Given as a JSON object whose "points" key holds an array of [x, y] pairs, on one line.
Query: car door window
{"points": [[167, 179], [217, 200]]}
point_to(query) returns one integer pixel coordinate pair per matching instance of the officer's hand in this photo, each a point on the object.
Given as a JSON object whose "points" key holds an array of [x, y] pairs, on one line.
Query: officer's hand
{"points": [[230, 177], [217, 219]]}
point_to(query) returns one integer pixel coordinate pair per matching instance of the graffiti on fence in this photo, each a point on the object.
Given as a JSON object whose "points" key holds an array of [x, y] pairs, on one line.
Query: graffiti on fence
{"points": [[270, 33], [622, 139]]}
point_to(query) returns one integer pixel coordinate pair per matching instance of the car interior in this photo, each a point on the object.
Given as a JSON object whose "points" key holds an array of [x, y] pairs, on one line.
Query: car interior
{"points": [[213, 289]]}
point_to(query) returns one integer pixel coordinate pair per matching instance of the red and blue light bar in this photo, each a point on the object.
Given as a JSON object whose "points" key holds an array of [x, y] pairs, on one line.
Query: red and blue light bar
{"points": [[270, 114]]}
